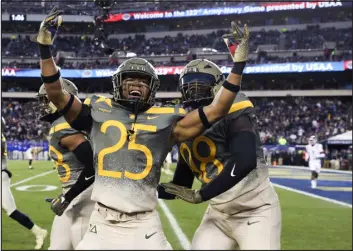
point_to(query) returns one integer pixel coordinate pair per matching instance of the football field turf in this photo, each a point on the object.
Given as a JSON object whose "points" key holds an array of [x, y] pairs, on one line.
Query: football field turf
{"points": [[307, 223]]}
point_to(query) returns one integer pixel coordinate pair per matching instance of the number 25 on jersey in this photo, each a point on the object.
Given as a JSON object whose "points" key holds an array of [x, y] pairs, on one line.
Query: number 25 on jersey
{"points": [[131, 146]]}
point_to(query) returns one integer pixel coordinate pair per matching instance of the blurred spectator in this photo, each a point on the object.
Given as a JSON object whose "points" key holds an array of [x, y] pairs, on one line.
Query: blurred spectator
{"points": [[296, 119], [82, 46], [21, 121], [291, 120]]}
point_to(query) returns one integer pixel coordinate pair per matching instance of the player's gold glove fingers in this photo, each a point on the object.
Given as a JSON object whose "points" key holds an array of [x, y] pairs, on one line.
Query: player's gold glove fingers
{"points": [[236, 30], [237, 33], [246, 31], [171, 186], [55, 202], [188, 196], [172, 191], [55, 12]]}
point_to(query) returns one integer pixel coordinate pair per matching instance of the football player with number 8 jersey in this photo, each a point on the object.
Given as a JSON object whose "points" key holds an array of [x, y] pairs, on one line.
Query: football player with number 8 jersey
{"points": [[71, 152], [130, 139], [228, 160]]}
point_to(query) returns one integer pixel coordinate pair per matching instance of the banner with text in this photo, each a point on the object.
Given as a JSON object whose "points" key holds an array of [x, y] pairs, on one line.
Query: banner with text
{"points": [[227, 10], [175, 70]]}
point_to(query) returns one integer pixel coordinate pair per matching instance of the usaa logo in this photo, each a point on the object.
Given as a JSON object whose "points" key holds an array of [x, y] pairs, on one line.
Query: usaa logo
{"points": [[8, 72]]}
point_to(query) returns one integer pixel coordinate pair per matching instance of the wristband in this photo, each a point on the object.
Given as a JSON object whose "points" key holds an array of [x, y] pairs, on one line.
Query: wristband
{"points": [[231, 87], [45, 52], [238, 68], [51, 79]]}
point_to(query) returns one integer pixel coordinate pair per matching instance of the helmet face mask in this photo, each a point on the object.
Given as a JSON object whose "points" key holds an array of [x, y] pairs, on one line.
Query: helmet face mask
{"points": [[47, 111], [199, 82], [135, 84], [197, 89], [135, 87], [45, 107]]}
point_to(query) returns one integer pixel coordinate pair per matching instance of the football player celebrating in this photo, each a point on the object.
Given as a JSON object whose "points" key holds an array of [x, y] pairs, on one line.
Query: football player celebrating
{"points": [[228, 160], [131, 139], [8, 201], [314, 154], [71, 152]]}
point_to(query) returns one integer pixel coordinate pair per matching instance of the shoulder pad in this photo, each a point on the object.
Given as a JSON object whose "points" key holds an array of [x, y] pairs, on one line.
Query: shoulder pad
{"points": [[176, 110], [100, 101], [87, 101], [238, 106], [60, 128]]}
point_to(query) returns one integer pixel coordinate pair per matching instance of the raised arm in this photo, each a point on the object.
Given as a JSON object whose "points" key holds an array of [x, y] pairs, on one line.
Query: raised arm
{"points": [[69, 105], [195, 122]]}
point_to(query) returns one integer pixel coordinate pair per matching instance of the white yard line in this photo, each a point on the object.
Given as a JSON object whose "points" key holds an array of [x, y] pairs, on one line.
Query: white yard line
{"points": [[310, 194], [32, 178], [313, 195], [184, 241], [325, 170]]}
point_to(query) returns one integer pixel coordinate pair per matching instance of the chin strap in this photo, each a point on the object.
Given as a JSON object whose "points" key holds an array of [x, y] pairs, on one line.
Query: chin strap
{"points": [[132, 131]]}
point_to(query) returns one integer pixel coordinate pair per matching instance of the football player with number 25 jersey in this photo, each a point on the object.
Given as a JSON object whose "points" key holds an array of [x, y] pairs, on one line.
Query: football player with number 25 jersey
{"points": [[130, 140]]}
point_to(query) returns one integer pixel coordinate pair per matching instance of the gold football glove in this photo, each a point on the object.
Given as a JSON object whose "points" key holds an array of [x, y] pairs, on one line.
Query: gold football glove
{"points": [[49, 27], [184, 193], [59, 204], [237, 43]]}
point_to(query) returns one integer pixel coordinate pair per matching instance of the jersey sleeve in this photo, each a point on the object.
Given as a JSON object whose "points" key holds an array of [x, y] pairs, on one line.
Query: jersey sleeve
{"points": [[100, 107], [84, 120], [241, 105], [165, 119], [68, 132]]}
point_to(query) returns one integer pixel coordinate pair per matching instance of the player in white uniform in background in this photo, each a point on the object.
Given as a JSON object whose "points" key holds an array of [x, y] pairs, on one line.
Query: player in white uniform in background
{"points": [[29, 156], [167, 163], [16, 152], [314, 154], [8, 202], [46, 149]]}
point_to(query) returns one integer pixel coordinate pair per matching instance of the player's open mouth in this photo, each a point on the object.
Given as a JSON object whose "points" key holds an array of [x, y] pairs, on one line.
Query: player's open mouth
{"points": [[135, 94]]}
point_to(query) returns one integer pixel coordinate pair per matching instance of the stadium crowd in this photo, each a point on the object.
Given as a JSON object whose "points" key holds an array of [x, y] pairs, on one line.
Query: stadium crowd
{"points": [[290, 119], [311, 38], [21, 121], [294, 119]]}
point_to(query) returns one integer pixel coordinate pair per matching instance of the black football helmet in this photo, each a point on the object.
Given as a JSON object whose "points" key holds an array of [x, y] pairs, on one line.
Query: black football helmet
{"points": [[47, 111], [135, 67], [199, 82]]}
